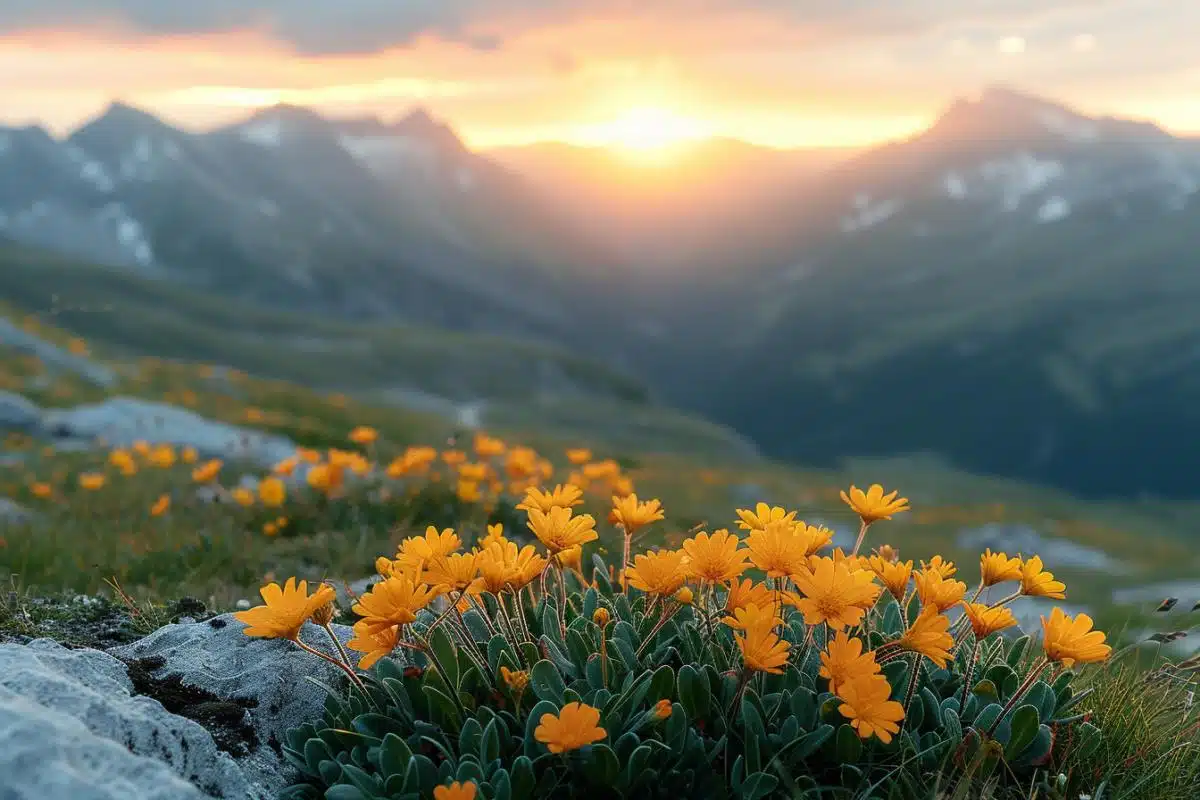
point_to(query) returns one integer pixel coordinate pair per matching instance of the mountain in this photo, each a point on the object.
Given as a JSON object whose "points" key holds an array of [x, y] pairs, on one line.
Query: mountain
{"points": [[1014, 289], [290, 209], [664, 213]]}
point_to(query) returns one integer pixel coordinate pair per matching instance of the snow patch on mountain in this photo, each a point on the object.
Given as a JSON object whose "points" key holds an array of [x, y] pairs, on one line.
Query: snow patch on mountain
{"points": [[129, 232], [868, 213], [1054, 209], [90, 170], [1020, 175], [264, 133], [956, 187]]}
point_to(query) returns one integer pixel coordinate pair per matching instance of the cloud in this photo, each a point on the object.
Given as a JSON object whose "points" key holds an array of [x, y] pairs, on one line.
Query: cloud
{"points": [[357, 26]]}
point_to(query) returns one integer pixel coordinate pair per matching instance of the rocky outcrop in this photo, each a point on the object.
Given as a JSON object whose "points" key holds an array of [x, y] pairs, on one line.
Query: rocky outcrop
{"points": [[121, 421], [54, 356], [72, 726], [19, 414]]}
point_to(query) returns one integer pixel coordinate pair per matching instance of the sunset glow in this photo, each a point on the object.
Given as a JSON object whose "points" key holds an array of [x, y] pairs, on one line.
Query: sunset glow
{"points": [[640, 78]]}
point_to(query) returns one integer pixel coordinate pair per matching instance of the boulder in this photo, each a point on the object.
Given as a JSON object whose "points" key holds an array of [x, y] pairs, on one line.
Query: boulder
{"points": [[278, 683], [19, 414], [121, 421], [11, 513], [1056, 553], [72, 726]]}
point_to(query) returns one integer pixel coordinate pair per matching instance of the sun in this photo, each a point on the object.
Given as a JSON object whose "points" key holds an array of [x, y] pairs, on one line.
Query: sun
{"points": [[650, 133]]}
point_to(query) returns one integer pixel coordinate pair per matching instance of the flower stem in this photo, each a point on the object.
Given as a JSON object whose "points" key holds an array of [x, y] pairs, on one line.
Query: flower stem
{"points": [[340, 665], [667, 613], [862, 534], [970, 674]]}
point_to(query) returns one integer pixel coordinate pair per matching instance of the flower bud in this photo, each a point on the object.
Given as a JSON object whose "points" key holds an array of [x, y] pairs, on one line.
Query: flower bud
{"points": [[662, 709], [684, 596], [601, 617], [324, 615]]}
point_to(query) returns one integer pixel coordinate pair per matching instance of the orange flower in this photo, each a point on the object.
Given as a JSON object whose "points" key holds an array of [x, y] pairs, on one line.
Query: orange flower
{"points": [[575, 726], [161, 505], [364, 435], [873, 505], [286, 609]]}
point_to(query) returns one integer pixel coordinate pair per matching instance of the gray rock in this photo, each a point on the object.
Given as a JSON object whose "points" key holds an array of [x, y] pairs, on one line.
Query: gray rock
{"points": [[70, 726], [1188, 592], [1055, 553], [19, 414], [13, 514], [217, 657], [54, 356], [121, 421]]}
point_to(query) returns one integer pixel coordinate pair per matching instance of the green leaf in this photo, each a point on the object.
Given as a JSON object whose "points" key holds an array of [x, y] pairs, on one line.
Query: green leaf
{"points": [[1016, 651], [1042, 697], [758, 785], [602, 767], [367, 783], [470, 737], [523, 779], [694, 692], [636, 765], [394, 755], [987, 717], [662, 685], [447, 658], [489, 748], [591, 601], [847, 745], [547, 683], [1023, 730], [803, 747], [344, 791], [952, 724], [316, 751]]}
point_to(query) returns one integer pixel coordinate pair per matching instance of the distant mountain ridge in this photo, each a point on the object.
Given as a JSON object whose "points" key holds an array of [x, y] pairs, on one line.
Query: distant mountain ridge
{"points": [[1013, 289]]}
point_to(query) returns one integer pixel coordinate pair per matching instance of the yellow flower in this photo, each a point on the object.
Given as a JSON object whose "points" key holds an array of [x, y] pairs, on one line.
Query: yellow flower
{"points": [[272, 492], [986, 620], [417, 550], [468, 491], [455, 791], [762, 650], [579, 455], [888, 553], [243, 497], [326, 478], [42, 490], [633, 515], [998, 567], [1072, 641], [844, 660], [895, 575], [562, 497], [207, 472], [748, 593], [815, 537], [286, 467], [601, 617], [495, 535], [455, 571], [941, 566], [659, 573], [286, 609], [571, 558], [189, 455], [161, 505], [753, 616], [142, 448], [92, 481], [453, 457], [866, 703], [762, 515], [778, 549], [162, 456], [662, 709], [685, 596], [715, 558], [1036, 582], [516, 680], [121, 459], [393, 601], [930, 636], [270, 528], [558, 530], [374, 646], [834, 594], [488, 446], [874, 505], [574, 727], [938, 592], [364, 435]]}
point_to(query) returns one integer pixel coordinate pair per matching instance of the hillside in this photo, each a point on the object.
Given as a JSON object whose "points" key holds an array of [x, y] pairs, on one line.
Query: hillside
{"points": [[1013, 289]]}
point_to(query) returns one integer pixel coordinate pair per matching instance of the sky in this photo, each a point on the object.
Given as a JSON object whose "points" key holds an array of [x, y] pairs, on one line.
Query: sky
{"points": [[779, 73]]}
